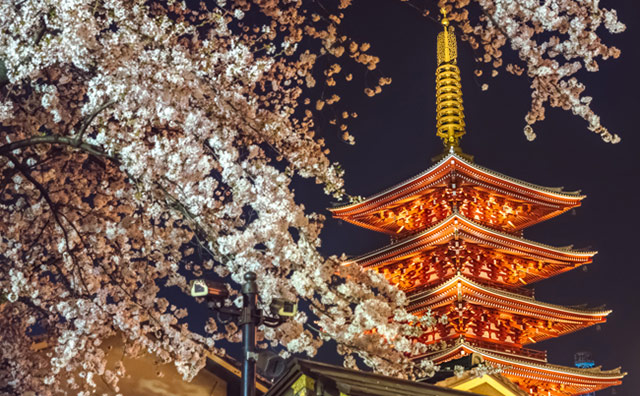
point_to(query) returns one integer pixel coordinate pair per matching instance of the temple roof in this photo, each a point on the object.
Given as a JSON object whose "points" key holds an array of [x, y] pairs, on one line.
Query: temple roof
{"points": [[592, 372], [304, 377], [557, 379], [455, 159], [507, 301], [527, 320], [454, 170], [458, 226]]}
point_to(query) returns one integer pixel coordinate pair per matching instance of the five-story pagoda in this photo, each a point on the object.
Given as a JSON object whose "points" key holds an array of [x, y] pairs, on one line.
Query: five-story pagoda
{"points": [[458, 250]]}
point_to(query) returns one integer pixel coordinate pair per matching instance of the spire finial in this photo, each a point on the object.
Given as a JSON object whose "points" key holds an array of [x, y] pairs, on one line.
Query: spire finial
{"points": [[444, 21], [449, 110]]}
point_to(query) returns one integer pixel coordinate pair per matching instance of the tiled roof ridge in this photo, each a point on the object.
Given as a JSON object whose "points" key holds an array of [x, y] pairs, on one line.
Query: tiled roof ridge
{"points": [[515, 296], [457, 214], [597, 371], [554, 190]]}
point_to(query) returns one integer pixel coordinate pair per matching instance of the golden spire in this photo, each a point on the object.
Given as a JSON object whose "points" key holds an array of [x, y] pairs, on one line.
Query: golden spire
{"points": [[449, 111]]}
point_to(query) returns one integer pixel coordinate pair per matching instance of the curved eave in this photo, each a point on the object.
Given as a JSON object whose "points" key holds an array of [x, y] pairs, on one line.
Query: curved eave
{"points": [[368, 226], [542, 368], [393, 231], [446, 228], [421, 299], [454, 162]]}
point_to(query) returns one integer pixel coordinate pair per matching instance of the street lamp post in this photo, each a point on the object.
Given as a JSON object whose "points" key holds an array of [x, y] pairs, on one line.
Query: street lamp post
{"points": [[247, 317]]}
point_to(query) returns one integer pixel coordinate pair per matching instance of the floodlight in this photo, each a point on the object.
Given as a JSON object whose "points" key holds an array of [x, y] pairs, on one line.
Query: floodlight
{"points": [[270, 365], [284, 308], [207, 288], [199, 288]]}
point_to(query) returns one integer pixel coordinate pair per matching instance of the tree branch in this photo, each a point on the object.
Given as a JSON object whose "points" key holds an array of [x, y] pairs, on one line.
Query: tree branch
{"points": [[55, 139], [44, 194]]}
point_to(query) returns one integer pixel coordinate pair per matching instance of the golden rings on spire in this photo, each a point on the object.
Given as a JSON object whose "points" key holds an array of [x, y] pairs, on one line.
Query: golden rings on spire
{"points": [[450, 123]]}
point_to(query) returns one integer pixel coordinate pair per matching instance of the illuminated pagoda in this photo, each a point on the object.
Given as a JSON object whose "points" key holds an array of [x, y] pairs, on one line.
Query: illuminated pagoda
{"points": [[458, 250]]}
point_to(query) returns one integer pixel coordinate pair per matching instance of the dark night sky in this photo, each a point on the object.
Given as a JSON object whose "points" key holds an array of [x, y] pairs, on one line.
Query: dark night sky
{"points": [[396, 139]]}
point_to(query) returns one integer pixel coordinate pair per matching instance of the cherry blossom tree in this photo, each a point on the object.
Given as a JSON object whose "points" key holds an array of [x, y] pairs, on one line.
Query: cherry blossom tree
{"points": [[137, 137], [554, 39]]}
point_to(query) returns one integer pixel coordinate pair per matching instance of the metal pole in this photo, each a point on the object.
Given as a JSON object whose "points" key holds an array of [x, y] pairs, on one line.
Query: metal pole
{"points": [[248, 319]]}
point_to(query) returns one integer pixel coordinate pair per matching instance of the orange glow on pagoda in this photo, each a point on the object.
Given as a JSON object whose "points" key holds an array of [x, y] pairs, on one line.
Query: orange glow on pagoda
{"points": [[458, 250]]}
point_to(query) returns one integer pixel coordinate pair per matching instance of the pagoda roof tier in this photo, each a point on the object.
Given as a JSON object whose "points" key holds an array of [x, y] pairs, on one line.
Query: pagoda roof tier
{"points": [[489, 197], [539, 378], [420, 259], [497, 315]]}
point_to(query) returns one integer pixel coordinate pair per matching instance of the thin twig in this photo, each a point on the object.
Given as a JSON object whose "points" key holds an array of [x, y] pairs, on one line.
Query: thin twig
{"points": [[89, 119]]}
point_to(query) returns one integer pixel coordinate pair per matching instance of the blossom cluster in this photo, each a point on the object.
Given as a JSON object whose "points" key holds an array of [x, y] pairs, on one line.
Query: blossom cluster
{"points": [[553, 39]]}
